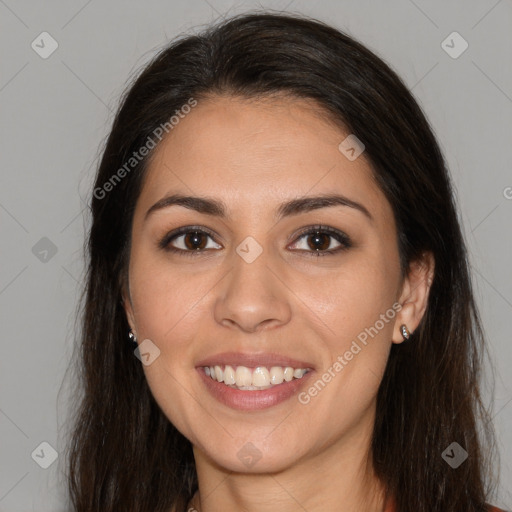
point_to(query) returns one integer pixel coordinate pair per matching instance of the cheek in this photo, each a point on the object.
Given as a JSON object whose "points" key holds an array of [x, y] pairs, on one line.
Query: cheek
{"points": [[355, 318], [351, 299], [167, 307], [166, 302]]}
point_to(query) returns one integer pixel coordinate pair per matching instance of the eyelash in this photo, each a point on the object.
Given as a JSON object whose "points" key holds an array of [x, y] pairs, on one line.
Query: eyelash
{"points": [[339, 236]]}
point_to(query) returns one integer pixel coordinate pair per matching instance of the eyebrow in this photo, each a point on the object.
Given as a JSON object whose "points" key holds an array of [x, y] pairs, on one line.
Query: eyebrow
{"points": [[216, 208]]}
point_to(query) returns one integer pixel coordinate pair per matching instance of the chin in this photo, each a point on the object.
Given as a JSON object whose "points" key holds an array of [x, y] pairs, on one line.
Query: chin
{"points": [[254, 457]]}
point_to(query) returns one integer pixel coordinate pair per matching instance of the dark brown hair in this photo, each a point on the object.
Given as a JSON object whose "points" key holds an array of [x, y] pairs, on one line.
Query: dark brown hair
{"points": [[124, 454]]}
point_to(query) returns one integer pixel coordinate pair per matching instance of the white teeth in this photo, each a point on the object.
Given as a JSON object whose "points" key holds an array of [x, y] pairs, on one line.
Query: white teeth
{"points": [[253, 378], [288, 374], [251, 388], [298, 373], [229, 375], [276, 375], [260, 377], [243, 376]]}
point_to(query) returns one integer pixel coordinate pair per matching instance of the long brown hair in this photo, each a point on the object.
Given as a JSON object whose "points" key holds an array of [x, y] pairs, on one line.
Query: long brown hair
{"points": [[124, 454]]}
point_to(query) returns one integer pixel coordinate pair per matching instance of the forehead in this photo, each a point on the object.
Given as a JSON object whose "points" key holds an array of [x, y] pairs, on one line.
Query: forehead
{"points": [[247, 150]]}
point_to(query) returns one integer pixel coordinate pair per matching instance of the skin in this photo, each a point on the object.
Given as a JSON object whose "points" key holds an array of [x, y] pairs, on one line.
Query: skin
{"points": [[255, 155]]}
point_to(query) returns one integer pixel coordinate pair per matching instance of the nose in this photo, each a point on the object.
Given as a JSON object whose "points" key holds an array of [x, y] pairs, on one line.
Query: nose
{"points": [[252, 297]]}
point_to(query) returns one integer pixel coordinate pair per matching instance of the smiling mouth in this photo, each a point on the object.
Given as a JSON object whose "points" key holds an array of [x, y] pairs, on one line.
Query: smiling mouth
{"points": [[253, 379]]}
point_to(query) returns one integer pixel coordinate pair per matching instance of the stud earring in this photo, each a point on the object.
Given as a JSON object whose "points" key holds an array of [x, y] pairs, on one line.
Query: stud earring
{"points": [[132, 336], [405, 332]]}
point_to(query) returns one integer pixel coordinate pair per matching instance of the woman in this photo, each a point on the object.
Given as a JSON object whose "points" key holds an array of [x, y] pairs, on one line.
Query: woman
{"points": [[278, 313]]}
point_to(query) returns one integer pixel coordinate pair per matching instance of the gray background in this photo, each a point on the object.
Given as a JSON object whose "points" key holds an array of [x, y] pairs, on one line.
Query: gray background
{"points": [[56, 112]]}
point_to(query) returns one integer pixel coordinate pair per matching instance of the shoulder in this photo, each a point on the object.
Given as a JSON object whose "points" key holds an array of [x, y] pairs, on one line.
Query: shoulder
{"points": [[490, 508]]}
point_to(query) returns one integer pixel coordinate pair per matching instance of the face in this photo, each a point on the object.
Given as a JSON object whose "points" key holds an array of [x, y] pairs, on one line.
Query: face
{"points": [[307, 287]]}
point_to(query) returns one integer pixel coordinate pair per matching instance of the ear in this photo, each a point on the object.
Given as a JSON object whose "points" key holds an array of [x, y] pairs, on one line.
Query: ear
{"points": [[414, 295]]}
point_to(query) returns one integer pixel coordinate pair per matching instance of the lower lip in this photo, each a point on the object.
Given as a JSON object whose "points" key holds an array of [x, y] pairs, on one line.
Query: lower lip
{"points": [[253, 400]]}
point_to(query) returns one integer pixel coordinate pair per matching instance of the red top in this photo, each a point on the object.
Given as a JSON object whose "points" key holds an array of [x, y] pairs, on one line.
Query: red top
{"points": [[391, 507]]}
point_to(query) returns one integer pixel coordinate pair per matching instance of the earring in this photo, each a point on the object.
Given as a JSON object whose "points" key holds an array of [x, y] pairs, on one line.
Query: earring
{"points": [[405, 332], [132, 337]]}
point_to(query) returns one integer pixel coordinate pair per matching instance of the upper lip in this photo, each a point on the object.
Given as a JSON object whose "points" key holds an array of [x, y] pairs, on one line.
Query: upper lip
{"points": [[253, 360]]}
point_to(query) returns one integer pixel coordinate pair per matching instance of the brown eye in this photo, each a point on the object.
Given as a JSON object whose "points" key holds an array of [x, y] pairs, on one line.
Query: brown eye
{"points": [[194, 240], [322, 241], [319, 241], [188, 241]]}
